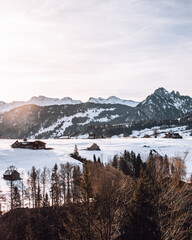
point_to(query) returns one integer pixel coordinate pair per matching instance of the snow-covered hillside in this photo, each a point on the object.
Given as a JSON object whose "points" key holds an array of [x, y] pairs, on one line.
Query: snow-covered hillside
{"points": [[113, 100], [58, 128], [43, 117], [160, 131]]}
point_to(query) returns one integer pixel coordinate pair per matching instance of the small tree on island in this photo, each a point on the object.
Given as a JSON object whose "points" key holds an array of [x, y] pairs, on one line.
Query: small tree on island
{"points": [[76, 152]]}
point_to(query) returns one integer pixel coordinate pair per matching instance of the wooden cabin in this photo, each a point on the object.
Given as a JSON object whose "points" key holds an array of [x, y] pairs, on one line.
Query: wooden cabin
{"points": [[29, 145], [94, 147], [39, 144], [92, 136], [11, 175], [173, 135], [146, 136]]}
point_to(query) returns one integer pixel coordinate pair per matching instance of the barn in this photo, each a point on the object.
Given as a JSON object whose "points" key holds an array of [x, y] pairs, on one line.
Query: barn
{"points": [[11, 174], [29, 145], [173, 135], [94, 147]]}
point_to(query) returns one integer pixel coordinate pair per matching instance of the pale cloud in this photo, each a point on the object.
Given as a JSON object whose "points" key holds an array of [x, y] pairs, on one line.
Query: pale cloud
{"points": [[84, 48]]}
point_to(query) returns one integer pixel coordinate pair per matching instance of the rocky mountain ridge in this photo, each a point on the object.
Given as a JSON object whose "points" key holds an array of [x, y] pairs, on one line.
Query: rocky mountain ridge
{"points": [[57, 120], [113, 100], [45, 101]]}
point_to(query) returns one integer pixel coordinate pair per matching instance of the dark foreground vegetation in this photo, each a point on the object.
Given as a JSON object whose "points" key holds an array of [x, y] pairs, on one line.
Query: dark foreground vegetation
{"points": [[125, 200]]}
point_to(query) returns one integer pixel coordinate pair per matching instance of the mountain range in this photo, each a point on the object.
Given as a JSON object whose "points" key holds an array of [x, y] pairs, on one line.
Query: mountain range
{"points": [[42, 117], [45, 101]]}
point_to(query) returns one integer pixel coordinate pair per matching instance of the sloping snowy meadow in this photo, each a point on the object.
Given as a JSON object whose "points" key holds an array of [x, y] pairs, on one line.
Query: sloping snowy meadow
{"points": [[24, 159]]}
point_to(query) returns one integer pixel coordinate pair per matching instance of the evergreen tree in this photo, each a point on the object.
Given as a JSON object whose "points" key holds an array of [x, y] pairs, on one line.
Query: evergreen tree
{"points": [[39, 197], [115, 161], [123, 166], [45, 177], [94, 158], [63, 181], [76, 152], [138, 165], [140, 219], [166, 166], [151, 165], [16, 198], [68, 168], [87, 194], [76, 183], [33, 181], [55, 190], [46, 202]]}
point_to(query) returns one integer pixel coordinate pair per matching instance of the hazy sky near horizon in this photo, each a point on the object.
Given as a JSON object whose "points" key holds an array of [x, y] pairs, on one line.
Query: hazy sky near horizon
{"points": [[84, 48]]}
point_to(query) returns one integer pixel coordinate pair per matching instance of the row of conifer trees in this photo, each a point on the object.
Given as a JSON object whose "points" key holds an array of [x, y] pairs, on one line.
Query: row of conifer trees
{"points": [[126, 199]]}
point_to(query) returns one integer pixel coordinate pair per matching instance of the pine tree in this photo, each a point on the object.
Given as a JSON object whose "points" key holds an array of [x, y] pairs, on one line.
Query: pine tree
{"points": [[63, 181], [166, 167], [138, 165], [76, 152], [33, 181], [115, 161], [76, 183], [87, 194], [140, 219], [45, 175], [94, 158], [55, 189], [46, 202], [39, 197], [68, 168], [16, 198], [123, 166]]}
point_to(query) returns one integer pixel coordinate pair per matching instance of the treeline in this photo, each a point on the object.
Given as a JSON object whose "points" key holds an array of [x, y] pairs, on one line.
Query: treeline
{"points": [[49, 187], [126, 199], [115, 129]]}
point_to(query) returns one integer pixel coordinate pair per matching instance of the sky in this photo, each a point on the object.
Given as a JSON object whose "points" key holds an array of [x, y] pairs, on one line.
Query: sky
{"points": [[94, 48]]}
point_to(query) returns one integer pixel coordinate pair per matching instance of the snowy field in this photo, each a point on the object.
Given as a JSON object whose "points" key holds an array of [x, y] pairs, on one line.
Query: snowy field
{"points": [[24, 159]]}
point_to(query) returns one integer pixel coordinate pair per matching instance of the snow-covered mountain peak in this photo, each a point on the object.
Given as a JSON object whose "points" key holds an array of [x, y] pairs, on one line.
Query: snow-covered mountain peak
{"points": [[161, 91], [175, 93], [113, 100], [42, 100], [68, 100], [45, 101], [2, 103], [39, 101]]}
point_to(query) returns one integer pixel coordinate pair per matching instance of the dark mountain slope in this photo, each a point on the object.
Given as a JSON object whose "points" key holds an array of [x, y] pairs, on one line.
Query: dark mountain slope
{"points": [[161, 105], [57, 120]]}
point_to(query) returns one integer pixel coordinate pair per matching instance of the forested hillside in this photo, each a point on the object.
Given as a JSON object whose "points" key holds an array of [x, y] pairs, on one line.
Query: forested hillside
{"points": [[43, 118], [126, 199]]}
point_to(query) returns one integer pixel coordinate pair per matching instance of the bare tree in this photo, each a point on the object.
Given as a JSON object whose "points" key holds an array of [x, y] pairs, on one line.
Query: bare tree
{"points": [[45, 178]]}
